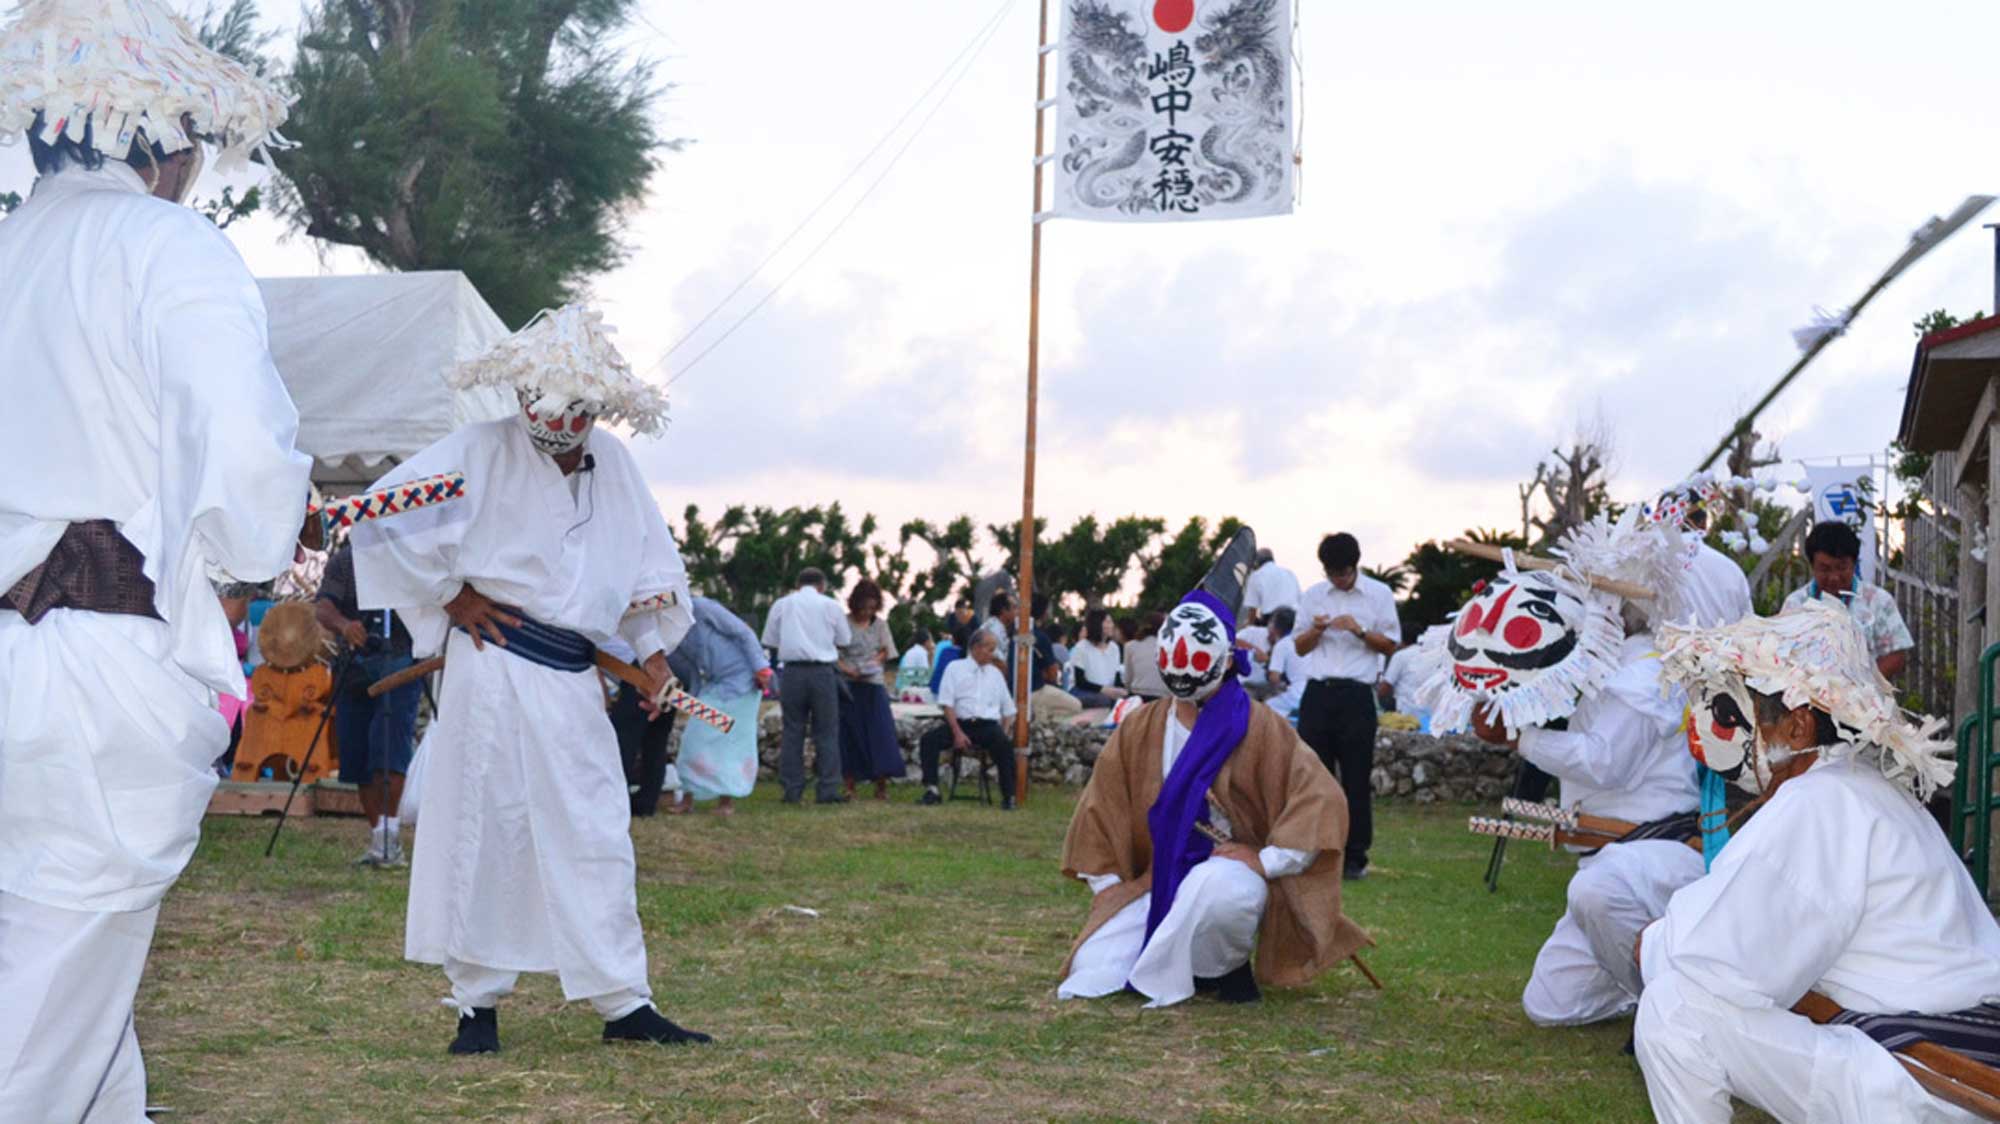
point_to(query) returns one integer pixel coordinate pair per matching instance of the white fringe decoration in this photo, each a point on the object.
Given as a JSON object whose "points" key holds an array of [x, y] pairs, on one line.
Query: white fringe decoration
{"points": [[567, 355], [1815, 654]]}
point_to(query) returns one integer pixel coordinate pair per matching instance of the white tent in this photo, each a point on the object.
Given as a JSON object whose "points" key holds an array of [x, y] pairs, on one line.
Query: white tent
{"points": [[365, 359]]}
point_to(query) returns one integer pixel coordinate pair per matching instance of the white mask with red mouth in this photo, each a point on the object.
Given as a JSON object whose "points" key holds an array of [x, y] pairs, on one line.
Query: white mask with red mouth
{"points": [[556, 427], [1514, 629]]}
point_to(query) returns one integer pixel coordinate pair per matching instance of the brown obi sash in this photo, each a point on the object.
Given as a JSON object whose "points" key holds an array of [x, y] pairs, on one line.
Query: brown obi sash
{"points": [[93, 569]]}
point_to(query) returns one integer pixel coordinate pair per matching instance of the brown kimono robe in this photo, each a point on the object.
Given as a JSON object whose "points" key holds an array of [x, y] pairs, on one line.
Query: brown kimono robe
{"points": [[1275, 793]]}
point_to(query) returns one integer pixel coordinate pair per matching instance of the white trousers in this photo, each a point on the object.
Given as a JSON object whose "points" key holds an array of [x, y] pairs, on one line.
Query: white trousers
{"points": [[1585, 972], [67, 981], [1698, 1050], [475, 985], [1210, 931]]}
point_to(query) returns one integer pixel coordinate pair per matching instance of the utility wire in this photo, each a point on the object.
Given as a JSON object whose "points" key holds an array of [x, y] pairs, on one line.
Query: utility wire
{"points": [[966, 55]]}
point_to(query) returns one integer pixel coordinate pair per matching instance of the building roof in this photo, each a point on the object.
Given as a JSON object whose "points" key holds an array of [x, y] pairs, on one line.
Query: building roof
{"points": [[1948, 374]]}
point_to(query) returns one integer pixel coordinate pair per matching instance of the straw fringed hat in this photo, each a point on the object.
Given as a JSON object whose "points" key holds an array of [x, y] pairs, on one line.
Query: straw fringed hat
{"points": [[1816, 655], [290, 636], [567, 356], [128, 65]]}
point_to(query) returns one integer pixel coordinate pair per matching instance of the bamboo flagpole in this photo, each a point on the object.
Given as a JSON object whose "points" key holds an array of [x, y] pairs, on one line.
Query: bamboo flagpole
{"points": [[1024, 633]]}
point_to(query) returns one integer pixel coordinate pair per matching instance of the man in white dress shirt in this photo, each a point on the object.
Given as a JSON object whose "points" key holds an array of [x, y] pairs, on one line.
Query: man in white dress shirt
{"points": [[150, 441], [977, 702], [1351, 624], [807, 628], [1271, 587], [1840, 884]]}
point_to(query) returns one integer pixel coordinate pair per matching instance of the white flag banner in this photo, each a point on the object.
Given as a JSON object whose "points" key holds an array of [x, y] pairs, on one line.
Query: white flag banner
{"points": [[1840, 493], [1174, 110]]}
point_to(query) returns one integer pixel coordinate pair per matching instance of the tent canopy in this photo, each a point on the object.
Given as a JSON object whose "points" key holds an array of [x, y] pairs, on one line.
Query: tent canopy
{"points": [[365, 359]]}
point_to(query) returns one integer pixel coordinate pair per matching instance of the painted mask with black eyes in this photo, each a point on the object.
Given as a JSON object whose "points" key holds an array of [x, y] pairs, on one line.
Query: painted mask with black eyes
{"points": [[556, 427], [1195, 651], [1515, 628], [1722, 735]]}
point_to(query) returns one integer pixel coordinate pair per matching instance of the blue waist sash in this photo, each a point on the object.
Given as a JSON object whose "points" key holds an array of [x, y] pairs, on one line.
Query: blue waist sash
{"points": [[558, 649]]}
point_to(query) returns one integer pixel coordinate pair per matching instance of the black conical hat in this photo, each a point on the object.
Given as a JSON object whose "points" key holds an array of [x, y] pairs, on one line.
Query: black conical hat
{"points": [[1225, 581]]}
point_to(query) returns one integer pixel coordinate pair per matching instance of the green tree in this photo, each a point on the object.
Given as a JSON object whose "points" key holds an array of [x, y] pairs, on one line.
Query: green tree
{"points": [[750, 557], [1442, 579], [1087, 563], [502, 138], [919, 593], [1182, 561]]}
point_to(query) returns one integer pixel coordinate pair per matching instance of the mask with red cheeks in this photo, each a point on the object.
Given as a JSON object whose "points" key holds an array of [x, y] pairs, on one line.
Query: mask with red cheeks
{"points": [[555, 426], [1515, 627]]}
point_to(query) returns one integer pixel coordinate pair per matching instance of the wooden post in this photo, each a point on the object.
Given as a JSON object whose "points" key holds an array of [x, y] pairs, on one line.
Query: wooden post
{"points": [[1024, 636]]}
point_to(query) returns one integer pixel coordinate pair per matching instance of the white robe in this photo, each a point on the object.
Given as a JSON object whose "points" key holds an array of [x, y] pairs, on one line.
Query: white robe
{"points": [[1210, 931], [138, 389], [523, 859], [1840, 884], [1624, 756]]}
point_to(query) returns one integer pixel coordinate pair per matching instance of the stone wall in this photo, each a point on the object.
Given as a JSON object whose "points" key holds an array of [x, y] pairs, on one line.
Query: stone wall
{"points": [[1408, 765]]}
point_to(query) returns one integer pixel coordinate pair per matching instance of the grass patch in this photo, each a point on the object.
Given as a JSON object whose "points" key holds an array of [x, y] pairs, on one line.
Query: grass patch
{"points": [[923, 991]]}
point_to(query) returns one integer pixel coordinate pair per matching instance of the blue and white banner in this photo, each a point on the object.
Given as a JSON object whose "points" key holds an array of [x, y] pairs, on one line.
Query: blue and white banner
{"points": [[1846, 493]]}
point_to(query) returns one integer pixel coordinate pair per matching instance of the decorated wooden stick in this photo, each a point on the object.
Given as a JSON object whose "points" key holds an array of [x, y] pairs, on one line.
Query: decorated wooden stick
{"points": [[1523, 561], [611, 665], [1945, 1074], [428, 491], [665, 600]]}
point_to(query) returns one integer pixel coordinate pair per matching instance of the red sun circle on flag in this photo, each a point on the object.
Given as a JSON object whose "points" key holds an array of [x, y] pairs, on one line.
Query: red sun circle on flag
{"points": [[1173, 16]]}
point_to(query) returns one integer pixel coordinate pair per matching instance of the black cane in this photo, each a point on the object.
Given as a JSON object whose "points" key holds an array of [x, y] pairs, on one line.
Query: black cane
{"points": [[326, 712], [1530, 784]]}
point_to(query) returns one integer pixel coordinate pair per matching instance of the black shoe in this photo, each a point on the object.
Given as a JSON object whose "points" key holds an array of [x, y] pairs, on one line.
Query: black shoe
{"points": [[478, 1033], [648, 1025], [1239, 986], [1631, 1045], [1354, 872], [931, 798], [837, 798], [1006, 803], [795, 801]]}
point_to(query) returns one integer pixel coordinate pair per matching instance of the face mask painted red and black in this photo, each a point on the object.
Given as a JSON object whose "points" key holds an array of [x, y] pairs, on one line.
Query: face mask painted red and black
{"points": [[1516, 627], [555, 428]]}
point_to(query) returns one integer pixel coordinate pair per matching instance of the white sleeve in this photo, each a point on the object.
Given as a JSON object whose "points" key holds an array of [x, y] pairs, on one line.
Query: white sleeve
{"points": [[1387, 622], [1099, 883], [1283, 862], [1608, 753], [771, 621]]}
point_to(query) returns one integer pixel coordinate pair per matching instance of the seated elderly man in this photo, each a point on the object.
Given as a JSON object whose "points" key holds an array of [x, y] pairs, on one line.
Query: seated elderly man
{"points": [[1839, 885], [976, 701]]}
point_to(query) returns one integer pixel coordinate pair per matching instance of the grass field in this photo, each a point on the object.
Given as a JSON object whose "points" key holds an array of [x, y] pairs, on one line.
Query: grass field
{"points": [[924, 989]]}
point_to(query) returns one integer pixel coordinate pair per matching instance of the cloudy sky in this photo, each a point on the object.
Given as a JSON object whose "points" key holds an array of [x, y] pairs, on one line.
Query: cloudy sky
{"points": [[1514, 218]]}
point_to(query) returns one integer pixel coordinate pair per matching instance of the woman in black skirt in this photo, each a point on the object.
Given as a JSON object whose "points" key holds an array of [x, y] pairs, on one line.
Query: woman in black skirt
{"points": [[868, 746]]}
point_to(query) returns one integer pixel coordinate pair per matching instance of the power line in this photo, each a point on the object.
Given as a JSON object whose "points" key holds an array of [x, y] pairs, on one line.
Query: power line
{"points": [[967, 55]]}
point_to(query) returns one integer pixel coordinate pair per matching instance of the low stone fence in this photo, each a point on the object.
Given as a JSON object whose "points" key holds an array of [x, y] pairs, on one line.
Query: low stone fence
{"points": [[1408, 766]]}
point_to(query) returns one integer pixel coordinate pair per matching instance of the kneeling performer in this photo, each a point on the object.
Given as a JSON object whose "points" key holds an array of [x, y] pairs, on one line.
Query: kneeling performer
{"points": [[1174, 910], [523, 859], [1840, 885]]}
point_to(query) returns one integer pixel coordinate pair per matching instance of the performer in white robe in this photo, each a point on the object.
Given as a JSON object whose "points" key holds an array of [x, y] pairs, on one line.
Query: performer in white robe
{"points": [[1534, 648], [523, 860], [1840, 884], [149, 444]]}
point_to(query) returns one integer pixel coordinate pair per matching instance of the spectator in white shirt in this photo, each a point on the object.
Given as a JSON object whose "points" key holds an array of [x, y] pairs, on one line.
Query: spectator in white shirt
{"points": [[1271, 587], [807, 628], [977, 702], [1351, 624], [1095, 662], [1398, 688], [1286, 676], [1256, 644]]}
